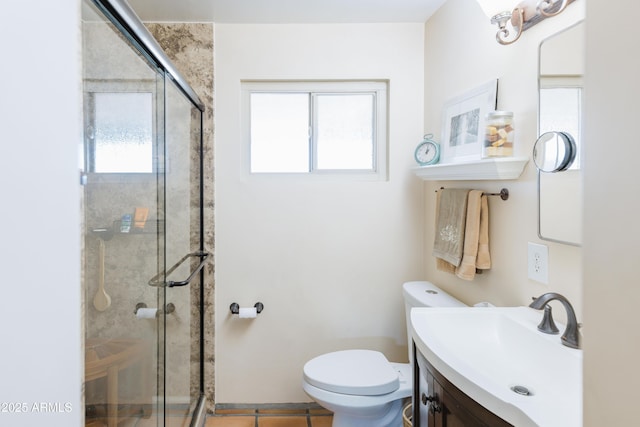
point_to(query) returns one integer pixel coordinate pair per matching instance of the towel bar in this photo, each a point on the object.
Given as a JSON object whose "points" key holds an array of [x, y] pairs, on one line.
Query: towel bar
{"points": [[504, 193], [158, 279]]}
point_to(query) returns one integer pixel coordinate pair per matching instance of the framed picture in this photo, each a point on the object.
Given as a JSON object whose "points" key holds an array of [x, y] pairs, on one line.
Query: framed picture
{"points": [[463, 123]]}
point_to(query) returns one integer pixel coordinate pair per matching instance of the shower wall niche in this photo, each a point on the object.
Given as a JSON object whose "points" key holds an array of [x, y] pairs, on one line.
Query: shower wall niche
{"points": [[144, 251]]}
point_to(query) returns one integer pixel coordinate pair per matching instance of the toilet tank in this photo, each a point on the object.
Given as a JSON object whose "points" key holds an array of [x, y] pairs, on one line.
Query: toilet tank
{"points": [[424, 294]]}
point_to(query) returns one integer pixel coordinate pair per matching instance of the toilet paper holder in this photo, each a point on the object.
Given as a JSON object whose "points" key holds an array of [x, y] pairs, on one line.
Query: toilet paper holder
{"points": [[235, 307], [170, 308]]}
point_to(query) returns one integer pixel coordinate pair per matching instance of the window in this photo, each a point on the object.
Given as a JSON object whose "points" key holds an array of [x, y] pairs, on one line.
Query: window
{"points": [[121, 135], [316, 128]]}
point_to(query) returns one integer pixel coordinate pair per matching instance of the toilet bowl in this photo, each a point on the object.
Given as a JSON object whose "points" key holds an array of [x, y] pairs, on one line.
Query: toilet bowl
{"points": [[361, 387]]}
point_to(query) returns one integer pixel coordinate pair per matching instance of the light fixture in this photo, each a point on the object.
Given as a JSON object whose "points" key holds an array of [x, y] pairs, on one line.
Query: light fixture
{"points": [[549, 8], [513, 21]]}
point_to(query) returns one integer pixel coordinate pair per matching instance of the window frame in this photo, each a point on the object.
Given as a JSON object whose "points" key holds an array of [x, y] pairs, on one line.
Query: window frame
{"points": [[378, 88]]}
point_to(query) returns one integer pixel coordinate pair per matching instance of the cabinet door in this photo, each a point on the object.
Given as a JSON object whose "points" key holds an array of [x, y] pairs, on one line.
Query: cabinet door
{"points": [[431, 401], [422, 385], [442, 404], [449, 412], [422, 407]]}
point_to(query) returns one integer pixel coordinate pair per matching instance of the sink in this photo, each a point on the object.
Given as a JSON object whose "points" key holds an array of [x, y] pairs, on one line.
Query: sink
{"points": [[487, 352]]}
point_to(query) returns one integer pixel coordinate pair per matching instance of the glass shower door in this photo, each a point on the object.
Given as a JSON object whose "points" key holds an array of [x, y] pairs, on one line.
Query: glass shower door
{"points": [[123, 222], [143, 254]]}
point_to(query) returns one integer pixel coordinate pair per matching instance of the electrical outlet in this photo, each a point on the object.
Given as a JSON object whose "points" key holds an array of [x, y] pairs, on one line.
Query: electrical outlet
{"points": [[538, 263]]}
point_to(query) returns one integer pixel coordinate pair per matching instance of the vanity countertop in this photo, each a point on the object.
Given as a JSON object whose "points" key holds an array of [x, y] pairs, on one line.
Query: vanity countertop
{"points": [[486, 351]]}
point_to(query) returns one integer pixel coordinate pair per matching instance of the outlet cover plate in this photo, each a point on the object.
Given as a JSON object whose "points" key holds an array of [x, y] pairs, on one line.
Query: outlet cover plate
{"points": [[538, 264]]}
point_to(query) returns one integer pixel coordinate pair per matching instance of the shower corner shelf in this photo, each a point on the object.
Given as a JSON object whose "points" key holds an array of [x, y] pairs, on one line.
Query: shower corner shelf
{"points": [[151, 227], [501, 168]]}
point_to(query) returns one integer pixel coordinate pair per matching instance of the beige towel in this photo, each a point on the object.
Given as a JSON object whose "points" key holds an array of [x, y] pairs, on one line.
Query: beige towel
{"points": [[483, 262], [441, 264], [467, 268], [450, 225], [475, 252]]}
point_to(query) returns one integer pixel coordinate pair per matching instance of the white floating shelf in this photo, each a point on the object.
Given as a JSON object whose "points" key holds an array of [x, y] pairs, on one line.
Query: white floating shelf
{"points": [[485, 169]]}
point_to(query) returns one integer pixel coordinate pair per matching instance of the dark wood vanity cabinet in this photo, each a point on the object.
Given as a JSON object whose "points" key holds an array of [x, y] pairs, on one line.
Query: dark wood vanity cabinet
{"points": [[438, 403]]}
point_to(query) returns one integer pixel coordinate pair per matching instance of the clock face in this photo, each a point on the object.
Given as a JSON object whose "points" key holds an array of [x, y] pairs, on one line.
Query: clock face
{"points": [[427, 153]]}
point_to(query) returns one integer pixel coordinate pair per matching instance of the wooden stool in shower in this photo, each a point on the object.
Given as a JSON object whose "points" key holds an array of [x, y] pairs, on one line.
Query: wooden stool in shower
{"points": [[105, 358]]}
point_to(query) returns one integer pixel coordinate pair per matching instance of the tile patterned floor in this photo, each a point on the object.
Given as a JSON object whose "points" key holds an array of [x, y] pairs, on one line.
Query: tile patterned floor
{"points": [[173, 418], [242, 417], [309, 417]]}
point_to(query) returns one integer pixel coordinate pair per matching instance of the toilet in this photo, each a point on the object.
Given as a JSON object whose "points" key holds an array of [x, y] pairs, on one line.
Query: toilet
{"points": [[361, 387]]}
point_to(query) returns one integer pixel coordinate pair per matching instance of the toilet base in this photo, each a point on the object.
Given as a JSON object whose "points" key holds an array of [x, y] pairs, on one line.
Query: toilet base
{"points": [[389, 415]]}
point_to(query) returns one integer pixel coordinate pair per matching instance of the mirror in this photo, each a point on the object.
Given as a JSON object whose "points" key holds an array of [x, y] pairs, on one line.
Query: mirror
{"points": [[557, 151], [554, 152]]}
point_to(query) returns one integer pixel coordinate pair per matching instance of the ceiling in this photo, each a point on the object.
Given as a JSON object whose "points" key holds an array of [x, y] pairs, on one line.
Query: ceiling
{"points": [[285, 11]]}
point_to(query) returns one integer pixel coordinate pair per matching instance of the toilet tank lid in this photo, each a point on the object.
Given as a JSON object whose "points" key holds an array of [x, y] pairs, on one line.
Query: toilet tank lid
{"points": [[356, 372], [426, 294]]}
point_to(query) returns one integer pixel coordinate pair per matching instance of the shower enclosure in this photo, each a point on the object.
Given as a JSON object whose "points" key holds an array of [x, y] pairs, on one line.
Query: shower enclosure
{"points": [[143, 248]]}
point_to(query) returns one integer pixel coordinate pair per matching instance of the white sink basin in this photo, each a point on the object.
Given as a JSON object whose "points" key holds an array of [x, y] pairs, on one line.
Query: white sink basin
{"points": [[485, 351]]}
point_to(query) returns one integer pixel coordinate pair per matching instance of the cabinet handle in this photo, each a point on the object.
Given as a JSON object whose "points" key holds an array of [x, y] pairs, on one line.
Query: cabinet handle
{"points": [[426, 399], [435, 407], [432, 402]]}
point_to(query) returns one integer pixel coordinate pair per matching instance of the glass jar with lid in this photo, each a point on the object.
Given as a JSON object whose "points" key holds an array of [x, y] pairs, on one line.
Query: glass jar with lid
{"points": [[499, 134]]}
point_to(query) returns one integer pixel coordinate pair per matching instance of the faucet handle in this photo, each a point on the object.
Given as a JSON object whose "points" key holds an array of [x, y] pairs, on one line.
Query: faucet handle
{"points": [[548, 326], [571, 336]]}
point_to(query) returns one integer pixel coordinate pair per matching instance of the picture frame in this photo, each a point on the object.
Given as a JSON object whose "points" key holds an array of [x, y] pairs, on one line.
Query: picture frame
{"points": [[463, 120]]}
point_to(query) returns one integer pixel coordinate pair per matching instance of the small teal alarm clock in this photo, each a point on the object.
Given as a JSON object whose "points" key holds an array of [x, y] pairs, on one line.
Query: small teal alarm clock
{"points": [[428, 151]]}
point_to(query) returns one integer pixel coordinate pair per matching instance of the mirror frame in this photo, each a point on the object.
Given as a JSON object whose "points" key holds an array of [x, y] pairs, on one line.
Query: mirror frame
{"points": [[549, 239]]}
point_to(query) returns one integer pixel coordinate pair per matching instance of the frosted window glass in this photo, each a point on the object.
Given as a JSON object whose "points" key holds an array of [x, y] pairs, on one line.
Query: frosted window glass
{"points": [[345, 131], [279, 132], [123, 132]]}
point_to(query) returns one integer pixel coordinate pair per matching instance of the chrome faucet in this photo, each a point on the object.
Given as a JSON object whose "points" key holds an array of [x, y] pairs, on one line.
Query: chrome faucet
{"points": [[570, 337]]}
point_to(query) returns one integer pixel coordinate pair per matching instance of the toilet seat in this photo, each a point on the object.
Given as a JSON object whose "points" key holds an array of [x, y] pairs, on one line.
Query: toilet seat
{"points": [[354, 372]]}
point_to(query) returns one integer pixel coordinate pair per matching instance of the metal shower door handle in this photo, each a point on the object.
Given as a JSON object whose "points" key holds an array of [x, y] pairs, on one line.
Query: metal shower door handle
{"points": [[156, 280]]}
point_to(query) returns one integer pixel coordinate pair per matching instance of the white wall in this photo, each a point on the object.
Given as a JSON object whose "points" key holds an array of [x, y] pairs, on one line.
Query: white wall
{"points": [[40, 307], [611, 291], [461, 54], [327, 258]]}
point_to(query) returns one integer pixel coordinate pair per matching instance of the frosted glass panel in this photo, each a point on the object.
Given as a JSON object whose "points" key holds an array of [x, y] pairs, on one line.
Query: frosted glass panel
{"points": [[123, 132], [345, 131], [279, 132]]}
